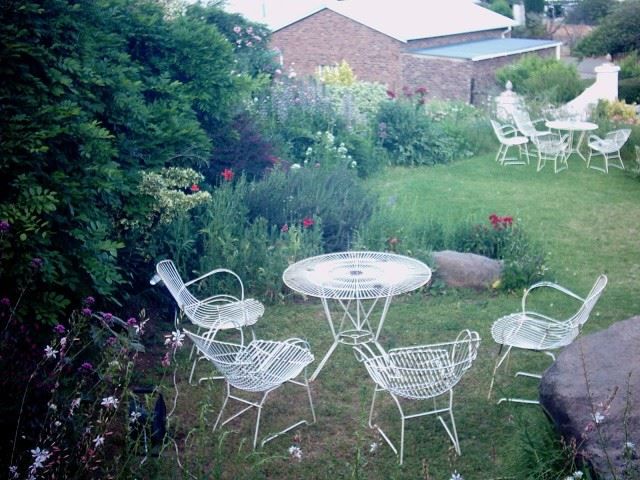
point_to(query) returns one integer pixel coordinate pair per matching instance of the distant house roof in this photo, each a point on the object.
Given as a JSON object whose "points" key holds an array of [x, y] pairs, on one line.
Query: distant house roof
{"points": [[485, 49], [403, 20]]}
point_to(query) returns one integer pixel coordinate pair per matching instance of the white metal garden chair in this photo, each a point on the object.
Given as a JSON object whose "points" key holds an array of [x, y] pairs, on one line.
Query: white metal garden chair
{"points": [[508, 137], [217, 312], [420, 373], [530, 330], [261, 367], [527, 126], [609, 148], [552, 147]]}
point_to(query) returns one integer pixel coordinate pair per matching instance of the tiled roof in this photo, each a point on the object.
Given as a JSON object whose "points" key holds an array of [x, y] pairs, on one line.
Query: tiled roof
{"points": [[400, 19]]}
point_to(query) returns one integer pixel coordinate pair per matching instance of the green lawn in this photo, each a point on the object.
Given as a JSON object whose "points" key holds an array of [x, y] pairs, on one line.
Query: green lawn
{"points": [[589, 224]]}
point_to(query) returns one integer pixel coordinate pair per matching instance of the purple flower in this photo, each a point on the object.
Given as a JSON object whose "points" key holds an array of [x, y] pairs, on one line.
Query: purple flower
{"points": [[5, 301], [36, 263], [86, 312], [59, 329], [89, 301], [107, 317], [86, 367], [111, 341], [4, 226], [132, 322]]}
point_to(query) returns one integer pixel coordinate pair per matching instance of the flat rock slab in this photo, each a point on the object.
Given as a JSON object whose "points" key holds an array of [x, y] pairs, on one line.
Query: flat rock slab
{"points": [[592, 392], [466, 270]]}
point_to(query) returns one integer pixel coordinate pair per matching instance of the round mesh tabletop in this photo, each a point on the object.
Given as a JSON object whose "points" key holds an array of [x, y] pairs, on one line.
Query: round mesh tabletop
{"points": [[356, 275]]}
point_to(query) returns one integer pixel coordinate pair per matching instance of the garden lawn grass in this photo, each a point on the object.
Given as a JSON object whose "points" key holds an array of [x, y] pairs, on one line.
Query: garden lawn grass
{"points": [[589, 224]]}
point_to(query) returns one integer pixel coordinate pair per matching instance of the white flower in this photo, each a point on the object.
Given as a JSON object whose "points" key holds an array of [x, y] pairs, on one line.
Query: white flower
{"points": [[49, 352], [373, 448], [53, 407], [39, 457], [98, 441], [57, 423], [577, 474], [630, 445], [598, 417], [295, 452], [110, 402], [295, 166], [13, 470], [134, 416], [175, 339], [63, 342], [570, 477], [456, 476]]}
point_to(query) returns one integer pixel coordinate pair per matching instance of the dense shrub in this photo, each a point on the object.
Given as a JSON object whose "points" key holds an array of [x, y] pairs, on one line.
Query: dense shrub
{"points": [[334, 196], [93, 93], [546, 79], [356, 103], [502, 239], [410, 137], [630, 65]]}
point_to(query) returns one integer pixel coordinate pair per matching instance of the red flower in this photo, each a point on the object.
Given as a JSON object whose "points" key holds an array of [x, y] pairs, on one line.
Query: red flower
{"points": [[421, 90], [391, 94], [307, 222], [285, 228], [227, 174], [195, 188]]}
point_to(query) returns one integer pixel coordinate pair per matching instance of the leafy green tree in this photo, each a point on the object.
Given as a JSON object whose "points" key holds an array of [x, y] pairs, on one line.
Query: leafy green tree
{"points": [[617, 33], [534, 6], [92, 93], [590, 12], [502, 7]]}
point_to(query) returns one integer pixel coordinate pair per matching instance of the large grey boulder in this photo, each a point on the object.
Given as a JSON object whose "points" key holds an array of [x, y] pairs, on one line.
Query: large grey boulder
{"points": [[468, 270], [592, 392]]}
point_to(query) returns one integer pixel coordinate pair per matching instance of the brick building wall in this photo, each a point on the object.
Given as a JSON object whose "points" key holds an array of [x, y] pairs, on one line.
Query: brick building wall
{"points": [[459, 38], [327, 38], [444, 78]]}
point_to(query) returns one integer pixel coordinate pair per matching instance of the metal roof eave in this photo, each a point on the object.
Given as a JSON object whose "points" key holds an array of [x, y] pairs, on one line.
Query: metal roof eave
{"points": [[489, 56]]}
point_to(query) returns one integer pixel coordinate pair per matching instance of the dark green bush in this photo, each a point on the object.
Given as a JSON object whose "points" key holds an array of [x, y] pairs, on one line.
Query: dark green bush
{"points": [[629, 90], [617, 33]]}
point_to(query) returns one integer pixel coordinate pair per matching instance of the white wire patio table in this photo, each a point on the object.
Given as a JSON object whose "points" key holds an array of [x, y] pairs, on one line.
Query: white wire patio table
{"points": [[357, 282], [572, 126]]}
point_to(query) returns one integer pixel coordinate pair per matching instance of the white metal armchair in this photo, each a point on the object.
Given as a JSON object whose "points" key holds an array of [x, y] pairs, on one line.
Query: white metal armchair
{"points": [[508, 137], [420, 373], [530, 330], [552, 147], [261, 366], [527, 126], [217, 312], [609, 148]]}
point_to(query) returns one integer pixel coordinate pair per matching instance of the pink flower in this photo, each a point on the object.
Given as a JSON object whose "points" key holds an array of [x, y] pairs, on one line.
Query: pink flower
{"points": [[421, 90], [89, 301], [132, 322], [59, 329], [194, 188], [166, 360], [5, 301], [391, 94], [237, 29], [227, 174], [86, 312], [307, 222], [285, 228]]}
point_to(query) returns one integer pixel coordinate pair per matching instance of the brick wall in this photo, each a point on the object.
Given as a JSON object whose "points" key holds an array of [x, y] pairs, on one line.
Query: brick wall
{"points": [[484, 73], [327, 38], [444, 78], [449, 39]]}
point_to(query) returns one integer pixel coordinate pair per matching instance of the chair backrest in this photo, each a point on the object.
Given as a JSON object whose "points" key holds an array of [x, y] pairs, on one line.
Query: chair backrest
{"points": [[497, 128], [423, 371], [582, 315], [524, 123], [173, 281], [618, 137], [222, 354]]}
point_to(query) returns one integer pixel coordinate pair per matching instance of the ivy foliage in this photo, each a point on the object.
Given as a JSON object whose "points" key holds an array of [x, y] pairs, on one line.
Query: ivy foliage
{"points": [[93, 92]]}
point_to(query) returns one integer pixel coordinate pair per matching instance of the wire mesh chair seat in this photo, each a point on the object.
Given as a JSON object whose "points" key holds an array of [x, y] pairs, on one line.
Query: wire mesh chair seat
{"points": [[527, 126], [608, 148], [508, 137], [530, 330], [217, 312], [261, 366], [552, 147], [420, 373]]}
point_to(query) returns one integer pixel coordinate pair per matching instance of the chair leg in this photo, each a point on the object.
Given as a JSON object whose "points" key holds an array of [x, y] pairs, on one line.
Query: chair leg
{"points": [[499, 362], [453, 433]]}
